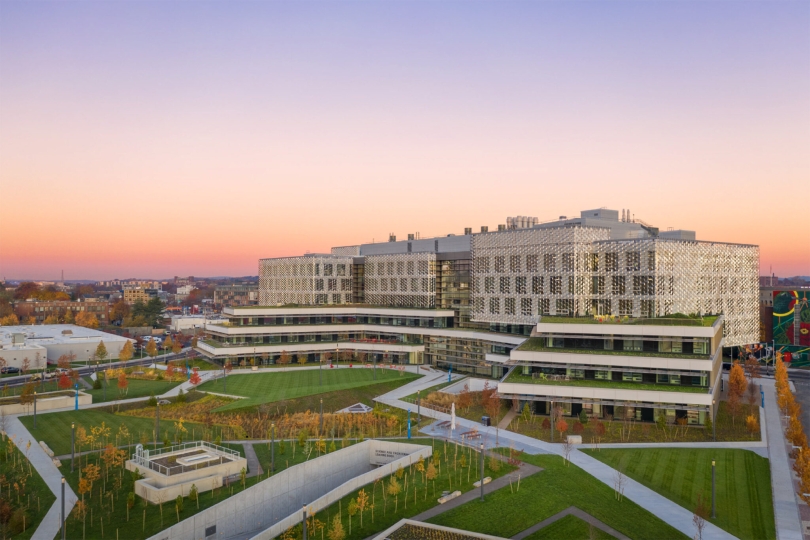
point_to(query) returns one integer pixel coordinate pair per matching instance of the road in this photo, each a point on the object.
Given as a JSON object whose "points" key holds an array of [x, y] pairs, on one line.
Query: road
{"points": [[188, 353]]}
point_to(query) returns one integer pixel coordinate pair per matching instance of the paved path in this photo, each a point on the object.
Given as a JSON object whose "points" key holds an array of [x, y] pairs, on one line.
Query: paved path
{"points": [[525, 470], [507, 419], [571, 511], [49, 526], [785, 506], [86, 384], [254, 466]]}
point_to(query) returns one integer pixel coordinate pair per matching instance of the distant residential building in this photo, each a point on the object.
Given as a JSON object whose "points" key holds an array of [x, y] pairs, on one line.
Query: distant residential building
{"points": [[179, 281], [183, 291], [139, 294], [236, 295], [42, 309]]}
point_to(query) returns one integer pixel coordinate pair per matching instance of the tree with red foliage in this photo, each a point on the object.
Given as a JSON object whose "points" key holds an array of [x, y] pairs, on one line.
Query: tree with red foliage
{"points": [[64, 381], [195, 377]]}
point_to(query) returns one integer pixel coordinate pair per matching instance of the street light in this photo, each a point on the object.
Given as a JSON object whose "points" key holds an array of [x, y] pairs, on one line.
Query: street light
{"points": [[304, 523], [714, 428], [321, 429], [35, 409], [713, 514], [482, 472], [62, 519], [418, 407], [157, 423], [272, 448], [72, 444]]}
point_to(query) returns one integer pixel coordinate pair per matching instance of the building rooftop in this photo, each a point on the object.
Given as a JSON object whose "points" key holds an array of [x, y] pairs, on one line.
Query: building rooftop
{"points": [[670, 320], [48, 334]]}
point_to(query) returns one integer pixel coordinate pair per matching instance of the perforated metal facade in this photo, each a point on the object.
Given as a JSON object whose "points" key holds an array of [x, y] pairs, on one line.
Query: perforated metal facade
{"points": [[307, 280], [520, 275], [402, 280]]}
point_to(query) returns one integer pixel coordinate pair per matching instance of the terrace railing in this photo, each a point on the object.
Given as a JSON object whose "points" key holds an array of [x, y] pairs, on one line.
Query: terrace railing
{"points": [[147, 460]]}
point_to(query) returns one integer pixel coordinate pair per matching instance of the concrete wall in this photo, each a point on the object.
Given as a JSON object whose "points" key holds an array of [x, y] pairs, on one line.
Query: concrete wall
{"points": [[144, 489], [274, 504], [47, 403]]}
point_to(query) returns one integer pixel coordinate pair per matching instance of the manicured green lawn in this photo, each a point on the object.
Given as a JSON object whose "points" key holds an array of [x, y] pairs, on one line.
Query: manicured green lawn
{"points": [[54, 428], [135, 389], [571, 528], [744, 505], [548, 492], [269, 387]]}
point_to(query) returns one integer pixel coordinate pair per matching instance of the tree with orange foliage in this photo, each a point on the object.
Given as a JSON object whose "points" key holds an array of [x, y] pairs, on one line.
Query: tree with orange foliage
{"points": [[170, 371], [87, 319], [736, 388], [284, 358], [195, 377], [123, 384]]}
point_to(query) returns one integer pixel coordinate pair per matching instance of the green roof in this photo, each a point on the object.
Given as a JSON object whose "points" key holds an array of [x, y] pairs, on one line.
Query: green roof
{"points": [[670, 320]]}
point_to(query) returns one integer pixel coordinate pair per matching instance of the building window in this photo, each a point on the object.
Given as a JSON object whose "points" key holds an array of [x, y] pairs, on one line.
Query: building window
{"points": [[571, 284], [544, 306], [598, 285], [520, 285], [336, 299], [384, 284], [403, 284], [400, 267], [531, 263], [612, 262], [500, 263], [526, 306], [568, 262], [633, 261], [618, 285], [391, 268], [332, 284], [625, 307], [592, 262], [482, 265], [651, 261], [415, 284], [423, 267], [514, 263], [393, 284], [506, 286], [565, 306], [643, 285], [495, 306], [489, 285], [509, 306], [327, 269], [549, 263], [341, 269], [319, 284], [648, 308], [410, 268], [537, 284], [556, 284]]}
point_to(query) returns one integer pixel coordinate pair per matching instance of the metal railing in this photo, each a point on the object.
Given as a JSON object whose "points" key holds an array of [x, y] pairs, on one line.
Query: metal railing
{"points": [[149, 463]]}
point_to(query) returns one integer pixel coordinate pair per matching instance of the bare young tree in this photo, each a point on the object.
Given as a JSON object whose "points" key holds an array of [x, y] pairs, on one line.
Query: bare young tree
{"points": [[567, 447], [619, 483], [700, 516], [3, 422]]}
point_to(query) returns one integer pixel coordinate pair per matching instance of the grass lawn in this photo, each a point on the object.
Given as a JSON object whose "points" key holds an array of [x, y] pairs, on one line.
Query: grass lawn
{"points": [[202, 365], [54, 428], [136, 388], [548, 492], [49, 386], [262, 388], [744, 505], [571, 528], [32, 502], [292, 454]]}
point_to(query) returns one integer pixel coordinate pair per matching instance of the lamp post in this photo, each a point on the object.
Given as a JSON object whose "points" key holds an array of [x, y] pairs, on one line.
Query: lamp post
{"points": [[157, 423], [374, 359], [418, 407], [551, 417], [35, 409], [320, 372], [62, 516], [714, 428], [713, 514], [304, 522], [105, 385], [482, 472], [321, 428], [72, 444], [409, 423], [76, 405], [272, 448]]}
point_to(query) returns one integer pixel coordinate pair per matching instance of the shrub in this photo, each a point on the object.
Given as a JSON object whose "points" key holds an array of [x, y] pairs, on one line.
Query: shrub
{"points": [[562, 425], [152, 401], [583, 416], [159, 376], [546, 423], [578, 428], [97, 383], [181, 397]]}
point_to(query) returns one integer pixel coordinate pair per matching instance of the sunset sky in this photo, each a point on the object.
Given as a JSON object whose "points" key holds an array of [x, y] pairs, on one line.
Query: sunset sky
{"points": [[153, 139]]}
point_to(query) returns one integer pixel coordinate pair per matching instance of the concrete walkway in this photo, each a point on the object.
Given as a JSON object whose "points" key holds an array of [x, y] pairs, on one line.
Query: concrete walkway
{"points": [[785, 505], [507, 419], [49, 526], [254, 467], [571, 511]]}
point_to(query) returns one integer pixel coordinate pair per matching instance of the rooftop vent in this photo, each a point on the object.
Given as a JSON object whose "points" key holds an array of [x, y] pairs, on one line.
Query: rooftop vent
{"points": [[484, 228], [467, 230], [392, 237]]}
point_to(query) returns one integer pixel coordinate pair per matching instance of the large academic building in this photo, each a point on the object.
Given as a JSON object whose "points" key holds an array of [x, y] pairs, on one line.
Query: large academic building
{"points": [[591, 312]]}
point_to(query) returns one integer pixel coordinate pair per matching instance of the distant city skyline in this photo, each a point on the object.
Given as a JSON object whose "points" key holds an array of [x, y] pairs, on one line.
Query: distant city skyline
{"points": [[175, 138]]}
